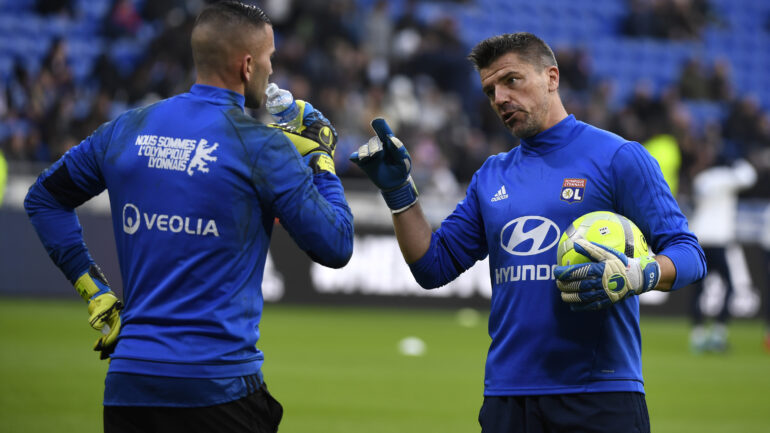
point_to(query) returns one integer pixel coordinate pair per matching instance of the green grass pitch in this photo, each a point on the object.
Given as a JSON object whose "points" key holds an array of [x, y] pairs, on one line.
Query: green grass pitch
{"points": [[338, 370]]}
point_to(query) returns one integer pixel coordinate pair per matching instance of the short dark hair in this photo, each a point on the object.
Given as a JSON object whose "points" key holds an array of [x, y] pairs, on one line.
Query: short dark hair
{"points": [[219, 28], [233, 12], [529, 47]]}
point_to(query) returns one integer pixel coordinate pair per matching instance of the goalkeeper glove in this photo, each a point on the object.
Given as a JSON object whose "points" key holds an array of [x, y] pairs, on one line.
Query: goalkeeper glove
{"points": [[315, 139], [610, 278], [388, 165], [103, 307]]}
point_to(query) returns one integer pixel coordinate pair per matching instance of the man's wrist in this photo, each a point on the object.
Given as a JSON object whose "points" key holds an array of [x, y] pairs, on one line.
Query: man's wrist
{"points": [[401, 198], [91, 283]]}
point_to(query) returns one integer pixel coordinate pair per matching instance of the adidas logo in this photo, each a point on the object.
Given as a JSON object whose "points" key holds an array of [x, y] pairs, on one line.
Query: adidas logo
{"points": [[500, 194]]}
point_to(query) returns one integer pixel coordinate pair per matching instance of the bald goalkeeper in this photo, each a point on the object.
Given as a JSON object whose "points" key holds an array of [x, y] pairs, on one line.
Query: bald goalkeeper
{"points": [[195, 186]]}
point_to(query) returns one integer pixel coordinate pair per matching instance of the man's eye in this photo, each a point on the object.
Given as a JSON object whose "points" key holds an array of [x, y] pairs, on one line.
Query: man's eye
{"points": [[512, 80]]}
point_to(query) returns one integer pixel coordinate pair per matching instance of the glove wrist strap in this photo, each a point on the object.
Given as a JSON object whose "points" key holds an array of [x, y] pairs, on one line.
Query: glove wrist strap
{"points": [[401, 198], [91, 284], [320, 162], [649, 275]]}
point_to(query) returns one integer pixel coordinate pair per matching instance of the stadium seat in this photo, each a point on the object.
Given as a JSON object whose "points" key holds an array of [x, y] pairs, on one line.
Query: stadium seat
{"points": [[596, 25], [6, 66], [703, 112]]}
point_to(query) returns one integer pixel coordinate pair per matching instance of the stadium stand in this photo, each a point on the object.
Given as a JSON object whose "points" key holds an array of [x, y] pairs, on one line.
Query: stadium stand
{"points": [[122, 53]]}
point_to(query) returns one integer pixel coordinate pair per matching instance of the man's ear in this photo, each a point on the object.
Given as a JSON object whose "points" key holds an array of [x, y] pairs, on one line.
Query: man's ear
{"points": [[553, 78], [247, 67]]}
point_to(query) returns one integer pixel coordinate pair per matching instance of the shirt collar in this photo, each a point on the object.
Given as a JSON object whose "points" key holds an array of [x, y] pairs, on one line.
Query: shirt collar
{"points": [[217, 95], [553, 138]]}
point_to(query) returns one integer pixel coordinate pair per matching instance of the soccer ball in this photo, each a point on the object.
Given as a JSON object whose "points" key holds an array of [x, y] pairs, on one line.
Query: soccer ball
{"points": [[605, 228]]}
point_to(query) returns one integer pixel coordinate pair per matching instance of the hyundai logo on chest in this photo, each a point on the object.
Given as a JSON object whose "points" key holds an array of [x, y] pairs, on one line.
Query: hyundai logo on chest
{"points": [[529, 235]]}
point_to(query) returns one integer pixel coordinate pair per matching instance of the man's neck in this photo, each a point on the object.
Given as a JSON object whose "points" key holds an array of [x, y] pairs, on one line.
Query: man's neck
{"points": [[556, 114], [217, 81]]}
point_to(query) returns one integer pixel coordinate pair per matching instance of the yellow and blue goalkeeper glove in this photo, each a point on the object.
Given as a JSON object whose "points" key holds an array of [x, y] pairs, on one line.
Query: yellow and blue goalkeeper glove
{"points": [[315, 139], [103, 307], [609, 278], [388, 165]]}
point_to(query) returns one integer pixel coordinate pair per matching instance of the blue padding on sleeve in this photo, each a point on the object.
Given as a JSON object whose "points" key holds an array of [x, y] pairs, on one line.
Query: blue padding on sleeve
{"points": [[689, 262]]}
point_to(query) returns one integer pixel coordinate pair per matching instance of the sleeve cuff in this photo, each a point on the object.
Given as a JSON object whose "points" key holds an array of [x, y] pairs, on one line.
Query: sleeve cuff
{"points": [[688, 262]]}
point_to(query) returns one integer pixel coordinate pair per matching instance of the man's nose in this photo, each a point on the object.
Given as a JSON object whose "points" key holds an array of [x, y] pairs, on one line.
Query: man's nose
{"points": [[501, 96]]}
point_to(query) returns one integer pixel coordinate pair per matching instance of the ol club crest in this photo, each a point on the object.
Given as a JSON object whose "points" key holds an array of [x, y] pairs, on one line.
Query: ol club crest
{"points": [[573, 190]]}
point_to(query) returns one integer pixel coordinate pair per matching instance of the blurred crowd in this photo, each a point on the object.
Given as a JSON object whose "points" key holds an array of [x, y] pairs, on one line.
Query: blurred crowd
{"points": [[668, 19], [356, 60]]}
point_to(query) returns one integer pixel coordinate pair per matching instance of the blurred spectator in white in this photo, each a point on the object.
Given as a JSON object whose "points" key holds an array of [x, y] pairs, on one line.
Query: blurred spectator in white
{"points": [[402, 105], [713, 222], [408, 34], [405, 44], [433, 106], [378, 31], [377, 35]]}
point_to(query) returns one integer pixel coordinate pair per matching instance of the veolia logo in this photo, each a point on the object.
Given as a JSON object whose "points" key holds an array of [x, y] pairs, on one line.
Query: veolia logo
{"points": [[529, 235], [131, 218], [132, 221]]}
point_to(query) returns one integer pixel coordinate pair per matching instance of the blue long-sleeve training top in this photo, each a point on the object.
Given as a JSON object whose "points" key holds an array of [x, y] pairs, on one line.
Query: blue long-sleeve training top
{"points": [[516, 208], [195, 186]]}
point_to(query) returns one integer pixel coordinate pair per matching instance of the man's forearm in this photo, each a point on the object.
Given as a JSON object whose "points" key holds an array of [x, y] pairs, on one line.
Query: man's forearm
{"points": [[667, 273], [59, 230], [413, 233]]}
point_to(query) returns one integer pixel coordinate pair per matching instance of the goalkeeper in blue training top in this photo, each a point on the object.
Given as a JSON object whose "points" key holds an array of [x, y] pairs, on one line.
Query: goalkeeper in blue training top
{"points": [[195, 185], [552, 366]]}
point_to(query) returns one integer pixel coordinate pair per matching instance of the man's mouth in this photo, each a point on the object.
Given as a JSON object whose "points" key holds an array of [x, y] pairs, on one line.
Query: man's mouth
{"points": [[509, 116]]}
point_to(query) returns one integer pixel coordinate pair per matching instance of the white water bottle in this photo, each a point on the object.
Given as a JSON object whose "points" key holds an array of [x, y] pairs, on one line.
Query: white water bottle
{"points": [[281, 105]]}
